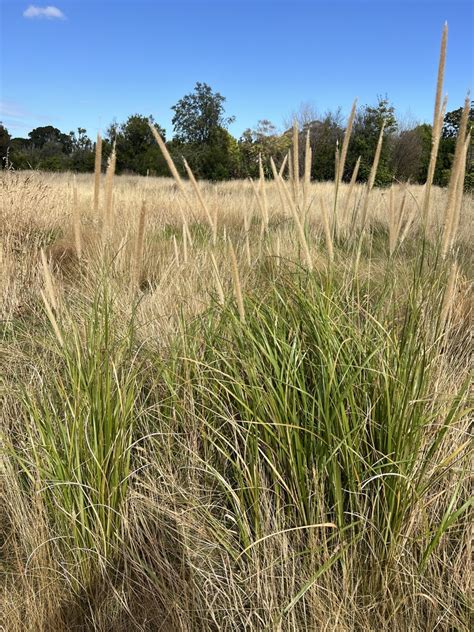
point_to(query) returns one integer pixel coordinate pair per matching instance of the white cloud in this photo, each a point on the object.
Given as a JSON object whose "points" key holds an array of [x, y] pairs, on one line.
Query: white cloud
{"points": [[50, 13]]}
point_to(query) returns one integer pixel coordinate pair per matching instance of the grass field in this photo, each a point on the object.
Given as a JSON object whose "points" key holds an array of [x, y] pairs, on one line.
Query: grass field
{"points": [[238, 406]]}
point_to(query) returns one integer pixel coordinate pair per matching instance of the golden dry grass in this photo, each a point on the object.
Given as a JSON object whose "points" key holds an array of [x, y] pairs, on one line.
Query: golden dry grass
{"points": [[204, 243], [236, 406], [37, 211]]}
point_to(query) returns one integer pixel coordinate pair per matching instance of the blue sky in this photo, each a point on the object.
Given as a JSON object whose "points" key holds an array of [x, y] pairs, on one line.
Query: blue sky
{"points": [[87, 62]]}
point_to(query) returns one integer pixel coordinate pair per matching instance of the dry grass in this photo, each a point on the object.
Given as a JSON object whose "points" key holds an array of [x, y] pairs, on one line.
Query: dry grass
{"points": [[249, 411], [178, 574], [36, 212]]}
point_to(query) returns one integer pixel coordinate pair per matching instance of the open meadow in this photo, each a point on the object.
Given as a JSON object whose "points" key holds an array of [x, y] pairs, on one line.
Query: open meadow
{"points": [[237, 406], [213, 421]]}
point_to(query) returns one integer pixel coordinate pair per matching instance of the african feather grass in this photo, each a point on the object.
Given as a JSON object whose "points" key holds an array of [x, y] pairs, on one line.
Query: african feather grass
{"points": [[79, 420], [251, 439], [309, 387]]}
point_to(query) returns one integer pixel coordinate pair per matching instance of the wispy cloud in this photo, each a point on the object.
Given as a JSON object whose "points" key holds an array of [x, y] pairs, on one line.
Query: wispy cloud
{"points": [[48, 13], [11, 109], [20, 120]]}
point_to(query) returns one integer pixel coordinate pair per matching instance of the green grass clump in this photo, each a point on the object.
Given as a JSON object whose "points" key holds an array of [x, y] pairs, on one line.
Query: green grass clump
{"points": [[311, 441], [78, 421], [323, 404]]}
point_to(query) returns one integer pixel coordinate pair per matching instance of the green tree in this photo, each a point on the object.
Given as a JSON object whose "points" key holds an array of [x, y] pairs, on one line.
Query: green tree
{"points": [[366, 131], [425, 133], [80, 141], [21, 153], [452, 120], [41, 136], [82, 156], [262, 140], [324, 135], [198, 114], [137, 150], [218, 159], [411, 150], [4, 145], [201, 135], [47, 148], [447, 147]]}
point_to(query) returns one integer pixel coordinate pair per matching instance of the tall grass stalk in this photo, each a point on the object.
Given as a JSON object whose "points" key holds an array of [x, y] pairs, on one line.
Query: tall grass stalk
{"points": [[48, 281], [327, 231], [108, 219], [307, 175], [176, 250], [283, 165], [139, 247], [345, 142], [409, 219], [449, 293], [200, 198], [261, 205], [340, 163], [278, 250], [215, 220], [286, 197], [262, 190], [247, 238], [218, 282], [236, 281], [52, 318], [456, 181], [296, 164], [76, 221], [372, 176], [438, 117], [460, 189], [97, 171], [171, 166], [395, 220], [350, 191], [185, 242], [278, 178]]}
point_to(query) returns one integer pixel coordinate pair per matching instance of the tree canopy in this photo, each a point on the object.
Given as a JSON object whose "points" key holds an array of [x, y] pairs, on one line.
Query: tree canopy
{"points": [[4, 144], [198, 114], [137, 150], [201, 136]]}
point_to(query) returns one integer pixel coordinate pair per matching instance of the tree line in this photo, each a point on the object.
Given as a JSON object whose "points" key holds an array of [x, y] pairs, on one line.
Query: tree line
{"points": [[201, 136]]}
